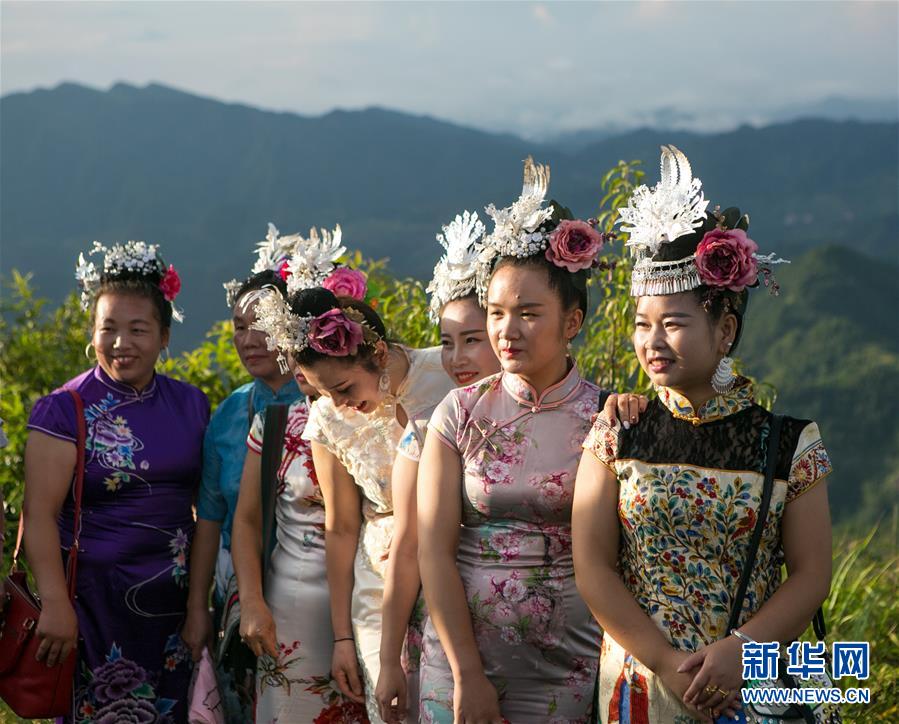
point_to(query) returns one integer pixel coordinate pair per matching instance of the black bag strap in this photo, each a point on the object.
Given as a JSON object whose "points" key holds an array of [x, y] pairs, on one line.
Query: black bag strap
{"points": [[604, 395], [773, 446], [272, 445], [818, 623]]}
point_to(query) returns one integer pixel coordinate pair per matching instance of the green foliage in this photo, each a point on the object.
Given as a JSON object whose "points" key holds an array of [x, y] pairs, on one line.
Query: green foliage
{"points": [[863, 606], [605, 353]]}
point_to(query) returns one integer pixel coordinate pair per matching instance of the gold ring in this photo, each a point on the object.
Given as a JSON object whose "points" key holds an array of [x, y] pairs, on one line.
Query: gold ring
{"points": [[723, 692], [710, 689]]}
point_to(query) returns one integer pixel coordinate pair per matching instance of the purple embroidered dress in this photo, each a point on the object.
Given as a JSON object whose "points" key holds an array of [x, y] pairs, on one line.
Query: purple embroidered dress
{"points": [[143, 465], [537, 640]]}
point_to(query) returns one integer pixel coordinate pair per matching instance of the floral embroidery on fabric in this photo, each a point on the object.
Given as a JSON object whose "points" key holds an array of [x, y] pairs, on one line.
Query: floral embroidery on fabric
{"points": [[112, 443], [717, 408], [273, 671], [179, 545], [120, 691], [810, 464]]}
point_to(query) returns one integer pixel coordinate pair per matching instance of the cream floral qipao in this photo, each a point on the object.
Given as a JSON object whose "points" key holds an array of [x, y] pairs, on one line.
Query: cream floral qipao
{"points": [[690, 485], [537, 640], [366, 445]]}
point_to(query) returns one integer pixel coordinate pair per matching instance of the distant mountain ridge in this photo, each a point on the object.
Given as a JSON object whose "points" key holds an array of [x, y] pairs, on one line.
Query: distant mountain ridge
{"points": [[204, 177]]}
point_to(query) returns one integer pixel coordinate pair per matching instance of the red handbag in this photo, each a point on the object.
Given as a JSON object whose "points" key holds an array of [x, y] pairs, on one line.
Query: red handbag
{"points": [[30, 687]]}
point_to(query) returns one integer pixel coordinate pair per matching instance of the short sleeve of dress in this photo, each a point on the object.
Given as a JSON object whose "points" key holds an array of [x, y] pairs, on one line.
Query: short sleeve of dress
{"points": [[446, 419], [317, 425], [254, 439], [811, 463], [602, 441], [55, 415]]}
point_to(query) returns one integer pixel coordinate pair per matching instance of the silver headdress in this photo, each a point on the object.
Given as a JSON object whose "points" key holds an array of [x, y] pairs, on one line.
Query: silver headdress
{"points": [[455, 273], [272, 254], [711, 249], [308, 263], [516, 230], [129, 260], [313, 259]]}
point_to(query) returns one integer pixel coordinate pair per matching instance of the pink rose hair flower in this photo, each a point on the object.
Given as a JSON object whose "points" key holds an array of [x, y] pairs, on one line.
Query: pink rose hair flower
{"points": [[574, 245], [725, 258], [283, 270], [335, 334], [346, 282], [170, 284]]}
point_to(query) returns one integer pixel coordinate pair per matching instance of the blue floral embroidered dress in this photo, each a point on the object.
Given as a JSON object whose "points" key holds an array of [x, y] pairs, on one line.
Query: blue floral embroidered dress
{"points": [[538, 641], [690, 485], [143, 459]]}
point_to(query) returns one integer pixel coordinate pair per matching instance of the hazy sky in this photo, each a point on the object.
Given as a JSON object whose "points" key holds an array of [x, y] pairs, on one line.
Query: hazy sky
{"points": [[523, 67]]}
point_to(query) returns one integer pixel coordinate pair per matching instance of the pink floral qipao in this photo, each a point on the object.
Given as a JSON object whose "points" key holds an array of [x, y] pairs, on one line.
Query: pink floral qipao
{"points": [[537, 640]]}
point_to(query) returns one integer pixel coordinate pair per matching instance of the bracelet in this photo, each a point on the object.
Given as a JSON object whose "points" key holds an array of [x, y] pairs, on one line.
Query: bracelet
{"points": [[345, 638]]}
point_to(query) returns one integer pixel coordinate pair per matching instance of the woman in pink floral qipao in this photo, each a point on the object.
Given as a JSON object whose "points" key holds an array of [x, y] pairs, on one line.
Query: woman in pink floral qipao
{"points": [[509, 638]]}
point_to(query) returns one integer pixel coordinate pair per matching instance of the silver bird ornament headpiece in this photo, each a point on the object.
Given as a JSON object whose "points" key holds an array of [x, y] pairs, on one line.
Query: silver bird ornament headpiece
{"points": [[455, 275]]}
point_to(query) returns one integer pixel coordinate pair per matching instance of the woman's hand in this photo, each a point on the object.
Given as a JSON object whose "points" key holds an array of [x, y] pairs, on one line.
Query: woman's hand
{"points": [[57, 629], [475, 701], [257, 628], [626, 407], [717, 678], [392, 685], [679, 681], [197, 630], [345, 670]]}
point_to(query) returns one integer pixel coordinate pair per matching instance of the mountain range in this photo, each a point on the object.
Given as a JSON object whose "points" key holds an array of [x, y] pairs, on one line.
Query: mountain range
{"points": [[203, 178]]}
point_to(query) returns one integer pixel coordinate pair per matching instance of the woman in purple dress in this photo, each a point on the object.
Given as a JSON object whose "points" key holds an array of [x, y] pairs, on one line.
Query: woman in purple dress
{"points": [[143, 460]]}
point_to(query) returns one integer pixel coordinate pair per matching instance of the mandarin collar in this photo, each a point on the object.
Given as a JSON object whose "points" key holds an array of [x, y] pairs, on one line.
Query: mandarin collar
{"points": [[288, 392], [720, 406], [526, 396], [123, 389]]}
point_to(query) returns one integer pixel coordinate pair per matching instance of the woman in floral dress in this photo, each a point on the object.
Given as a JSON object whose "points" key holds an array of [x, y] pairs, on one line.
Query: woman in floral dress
{"points": [[371, 390], [224, 451], [287, 622], [664, 510], [467, 357], [508, 636], [143, 455]]}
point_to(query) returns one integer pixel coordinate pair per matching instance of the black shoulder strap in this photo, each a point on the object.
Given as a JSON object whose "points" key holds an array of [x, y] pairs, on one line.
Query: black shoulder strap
{"points": [[272, 444], [749, 564], [773, 445], [603, 396]]}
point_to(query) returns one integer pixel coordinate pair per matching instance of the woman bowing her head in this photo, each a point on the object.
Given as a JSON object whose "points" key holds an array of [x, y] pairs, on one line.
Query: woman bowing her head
{"points": [[366, 431]]}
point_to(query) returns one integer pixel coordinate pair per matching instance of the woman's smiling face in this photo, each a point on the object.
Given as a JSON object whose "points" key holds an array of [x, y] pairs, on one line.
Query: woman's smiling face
{"points": [[466, 353]]}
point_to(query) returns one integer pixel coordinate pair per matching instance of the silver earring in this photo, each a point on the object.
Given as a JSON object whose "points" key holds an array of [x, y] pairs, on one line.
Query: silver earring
{"points": [[87, 352], [724, 377], [164, 354], [384, 382]]}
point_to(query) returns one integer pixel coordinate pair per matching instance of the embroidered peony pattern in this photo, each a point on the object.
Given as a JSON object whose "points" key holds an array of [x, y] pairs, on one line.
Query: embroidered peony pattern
{"points": [[112, 444], [122, 692]]}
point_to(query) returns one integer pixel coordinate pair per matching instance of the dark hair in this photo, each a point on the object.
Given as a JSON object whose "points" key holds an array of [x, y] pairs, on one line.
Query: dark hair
{"points": [[138, 288], [571, 287], [267, 278], [718, 302], [317, 301]]}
